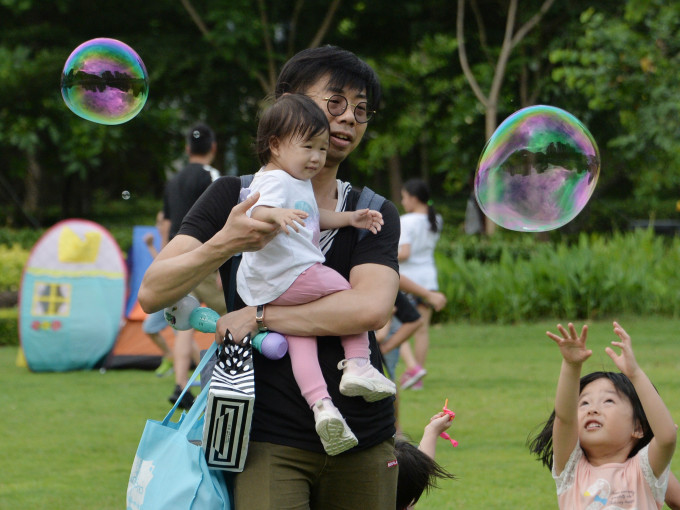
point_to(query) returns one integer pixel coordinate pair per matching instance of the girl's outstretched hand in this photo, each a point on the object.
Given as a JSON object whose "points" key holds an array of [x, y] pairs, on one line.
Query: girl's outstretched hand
{"points": [[440, 422], [571, 344], [625, 361]]}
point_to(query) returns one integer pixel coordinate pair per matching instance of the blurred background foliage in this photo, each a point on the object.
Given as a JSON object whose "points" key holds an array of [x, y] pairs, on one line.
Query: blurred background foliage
{"points": [[451, 72], [613, 64]]}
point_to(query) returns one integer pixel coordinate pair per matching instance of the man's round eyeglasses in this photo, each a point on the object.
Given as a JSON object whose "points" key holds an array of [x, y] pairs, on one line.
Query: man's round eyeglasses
{"points": [[337, 105]]}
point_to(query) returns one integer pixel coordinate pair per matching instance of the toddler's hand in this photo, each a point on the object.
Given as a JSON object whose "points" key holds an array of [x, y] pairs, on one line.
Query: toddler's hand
{"points": [[288, 218], [367, 219]]}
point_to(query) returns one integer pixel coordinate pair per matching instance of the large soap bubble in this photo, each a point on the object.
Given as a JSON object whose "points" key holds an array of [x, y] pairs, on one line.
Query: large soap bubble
{"points": [[537, 171], [105, 81]]}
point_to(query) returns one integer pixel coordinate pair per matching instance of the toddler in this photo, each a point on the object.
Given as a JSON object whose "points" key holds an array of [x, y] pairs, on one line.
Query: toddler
{"points": [[292, 140]]}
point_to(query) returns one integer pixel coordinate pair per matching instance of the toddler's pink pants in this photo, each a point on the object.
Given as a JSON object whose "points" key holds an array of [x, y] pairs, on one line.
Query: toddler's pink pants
{"points": [[314, 283]]}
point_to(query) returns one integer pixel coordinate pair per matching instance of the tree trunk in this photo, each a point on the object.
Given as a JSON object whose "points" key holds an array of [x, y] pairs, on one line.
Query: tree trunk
{"points": [[32, 184], [491, 114], [394, 172], [424, 160]]}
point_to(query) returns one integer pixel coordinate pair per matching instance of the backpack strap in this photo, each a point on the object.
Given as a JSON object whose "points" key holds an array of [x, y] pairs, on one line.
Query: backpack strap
{"points": [[246, 180], [368, 199], [236, 259]]}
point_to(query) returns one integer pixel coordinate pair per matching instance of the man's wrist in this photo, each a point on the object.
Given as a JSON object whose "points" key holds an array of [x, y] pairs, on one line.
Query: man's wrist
{"points": [[259, 318]]}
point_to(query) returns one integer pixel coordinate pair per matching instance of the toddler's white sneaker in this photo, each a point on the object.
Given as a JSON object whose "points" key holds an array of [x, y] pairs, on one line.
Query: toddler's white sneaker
{"points": [[364, 381], [336, 436]]}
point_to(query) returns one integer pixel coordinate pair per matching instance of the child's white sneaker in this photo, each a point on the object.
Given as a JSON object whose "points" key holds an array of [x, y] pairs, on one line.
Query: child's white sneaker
{"points": [[364, 381], [336, 436]]}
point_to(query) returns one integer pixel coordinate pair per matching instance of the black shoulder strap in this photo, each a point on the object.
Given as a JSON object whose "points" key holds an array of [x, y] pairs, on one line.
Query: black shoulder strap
{"points": [[236, 259], [369, 199]]}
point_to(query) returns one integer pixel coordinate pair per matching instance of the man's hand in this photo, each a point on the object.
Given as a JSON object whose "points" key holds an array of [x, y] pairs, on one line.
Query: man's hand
{"points": [[242, 233], [238, 323]]}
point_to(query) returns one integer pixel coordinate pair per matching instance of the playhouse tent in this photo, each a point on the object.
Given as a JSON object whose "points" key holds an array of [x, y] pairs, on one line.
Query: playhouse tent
{"points": [[72, 297]]}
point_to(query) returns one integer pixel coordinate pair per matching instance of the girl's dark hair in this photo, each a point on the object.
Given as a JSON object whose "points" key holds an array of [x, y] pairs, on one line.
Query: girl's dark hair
{"points": [[417, 473], [419, 189], [343, 68], [542, 444], [293, 115]]}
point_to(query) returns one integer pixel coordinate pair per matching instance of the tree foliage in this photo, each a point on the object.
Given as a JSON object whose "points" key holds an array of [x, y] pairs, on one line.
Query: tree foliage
{"points": [[627, 69], [614, 66]]}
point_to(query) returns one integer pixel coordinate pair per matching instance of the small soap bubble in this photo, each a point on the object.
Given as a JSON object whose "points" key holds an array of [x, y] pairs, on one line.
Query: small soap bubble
{"points": [[125, 195], [537, 171], [105, 81]]}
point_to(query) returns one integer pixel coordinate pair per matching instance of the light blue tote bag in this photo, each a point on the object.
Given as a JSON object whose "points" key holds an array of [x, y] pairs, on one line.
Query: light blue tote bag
{"points": [[170, 471]]}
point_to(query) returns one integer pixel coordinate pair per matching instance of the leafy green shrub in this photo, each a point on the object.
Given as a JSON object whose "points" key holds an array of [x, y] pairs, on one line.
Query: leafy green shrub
{"points": [[634, 273], [25, 237], [12, 261], [9, 328]]}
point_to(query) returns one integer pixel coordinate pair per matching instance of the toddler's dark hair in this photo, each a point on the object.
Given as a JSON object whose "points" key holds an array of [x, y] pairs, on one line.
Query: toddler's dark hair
{"points": [[294, 115], [542, 444], [417, 473]]}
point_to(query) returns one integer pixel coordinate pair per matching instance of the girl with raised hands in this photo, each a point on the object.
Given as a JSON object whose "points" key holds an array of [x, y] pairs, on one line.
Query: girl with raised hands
{"points": [[611, 438]]}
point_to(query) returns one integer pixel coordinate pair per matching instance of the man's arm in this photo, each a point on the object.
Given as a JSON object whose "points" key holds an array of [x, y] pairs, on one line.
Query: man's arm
{"points": [[184, 262], [369, 303]]}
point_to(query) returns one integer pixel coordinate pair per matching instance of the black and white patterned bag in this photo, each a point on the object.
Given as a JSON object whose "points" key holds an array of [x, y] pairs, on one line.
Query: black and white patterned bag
{"points": [[229, 411]]}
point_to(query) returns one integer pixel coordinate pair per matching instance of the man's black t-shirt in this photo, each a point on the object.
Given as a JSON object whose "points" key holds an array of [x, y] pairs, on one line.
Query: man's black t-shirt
{"points": [[182, 191], [281, 414]]}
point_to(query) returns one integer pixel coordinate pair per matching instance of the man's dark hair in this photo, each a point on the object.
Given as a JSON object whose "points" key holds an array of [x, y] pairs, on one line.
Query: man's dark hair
{"points": [[293, 115], [344, 69], [200, 139]]}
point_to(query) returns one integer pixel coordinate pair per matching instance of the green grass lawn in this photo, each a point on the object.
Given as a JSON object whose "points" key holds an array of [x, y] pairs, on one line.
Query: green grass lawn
{"points": [[68, 439]]}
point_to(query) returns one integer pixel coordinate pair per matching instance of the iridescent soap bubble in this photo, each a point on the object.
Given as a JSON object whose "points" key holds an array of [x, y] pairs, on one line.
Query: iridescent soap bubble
{"points": [[105, 81], [125, 195], [537, 171]]}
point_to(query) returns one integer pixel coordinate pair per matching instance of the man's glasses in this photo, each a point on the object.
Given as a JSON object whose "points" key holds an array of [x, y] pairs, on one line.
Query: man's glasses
{"points": [[337, 105]]}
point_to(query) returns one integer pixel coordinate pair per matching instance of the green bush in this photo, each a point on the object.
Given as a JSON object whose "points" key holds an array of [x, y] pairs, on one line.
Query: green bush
{"points": [[25, 238], [9, 328], [632, 273], [12, 261]]}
